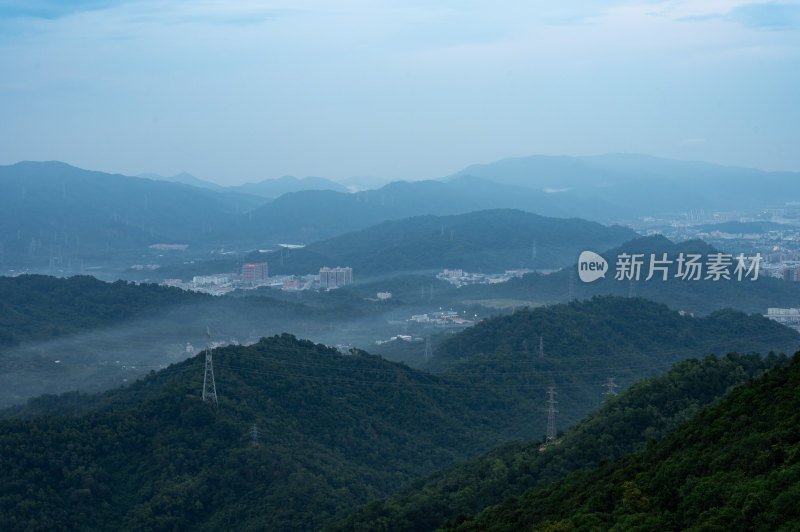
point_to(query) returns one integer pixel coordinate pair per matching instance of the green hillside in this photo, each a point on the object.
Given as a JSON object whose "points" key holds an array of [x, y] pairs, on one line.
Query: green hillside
{"points": [[337, 431], [584, 344], [649, 409], [734, 466], [39, 307], [333, 431]]}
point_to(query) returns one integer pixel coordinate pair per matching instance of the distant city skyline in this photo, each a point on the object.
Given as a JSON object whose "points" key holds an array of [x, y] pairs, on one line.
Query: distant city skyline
{"points": [[241, 91]]}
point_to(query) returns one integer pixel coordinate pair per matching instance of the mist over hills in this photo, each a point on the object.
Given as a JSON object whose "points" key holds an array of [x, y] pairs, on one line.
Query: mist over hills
{"points": [[79, 333]]}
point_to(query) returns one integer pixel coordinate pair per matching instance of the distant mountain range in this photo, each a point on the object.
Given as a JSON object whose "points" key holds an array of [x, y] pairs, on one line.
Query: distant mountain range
{"points": [[58, 215], [273, 188], [267, 188], [55, 216], [482, 241], [642, 185], [55, 213], [307, 216], [184, 178]]}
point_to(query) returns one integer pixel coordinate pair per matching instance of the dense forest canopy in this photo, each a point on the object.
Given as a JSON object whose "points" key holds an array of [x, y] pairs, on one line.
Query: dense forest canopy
{"points": [[734, 465], [648, 410]]}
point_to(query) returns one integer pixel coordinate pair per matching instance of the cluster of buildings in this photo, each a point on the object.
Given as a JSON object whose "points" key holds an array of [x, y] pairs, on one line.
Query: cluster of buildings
{"points": [[403, 337], [786, 316], [335, 277], [446, 318], [256, 275], [461, 278], [791, 273]]}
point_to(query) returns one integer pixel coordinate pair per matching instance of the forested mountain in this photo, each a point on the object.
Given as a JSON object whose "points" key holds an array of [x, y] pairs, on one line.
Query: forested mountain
{"points": [[301, 433], [39, 307], [733, 466], [641, 185], [333, 431], [650, 409], [307, 216], [483, 241], [314, 215], [701, 296]]}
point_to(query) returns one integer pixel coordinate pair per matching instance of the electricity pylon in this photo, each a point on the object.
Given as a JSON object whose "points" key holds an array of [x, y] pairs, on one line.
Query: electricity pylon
{"points": [[209, 386]]}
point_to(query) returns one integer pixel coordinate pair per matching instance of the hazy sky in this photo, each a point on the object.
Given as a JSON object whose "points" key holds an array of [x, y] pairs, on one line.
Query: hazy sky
{"points": [[241, 91]]}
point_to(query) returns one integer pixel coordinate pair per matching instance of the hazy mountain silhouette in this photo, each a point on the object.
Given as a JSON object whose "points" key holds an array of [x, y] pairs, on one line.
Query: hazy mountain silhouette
{"points": [[482, 241], [643, 185]]}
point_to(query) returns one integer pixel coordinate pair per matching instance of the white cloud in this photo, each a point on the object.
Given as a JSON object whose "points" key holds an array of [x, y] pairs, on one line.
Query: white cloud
{"points": [[391, 87]]}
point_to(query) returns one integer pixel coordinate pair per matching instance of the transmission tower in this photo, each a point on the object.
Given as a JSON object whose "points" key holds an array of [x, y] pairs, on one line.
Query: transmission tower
{"points": [[428, 348], [551, 414], [541, 346], [209, 386], [610, 385], [254, 434]]}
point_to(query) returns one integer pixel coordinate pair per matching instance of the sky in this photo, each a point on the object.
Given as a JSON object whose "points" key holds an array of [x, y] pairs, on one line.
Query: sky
{"points": [[240, 91]]}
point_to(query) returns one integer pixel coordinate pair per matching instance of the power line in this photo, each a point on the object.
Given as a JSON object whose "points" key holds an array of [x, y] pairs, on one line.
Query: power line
{"points": [[551, 414], [209, 385], [610, 385]]}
